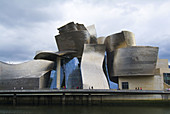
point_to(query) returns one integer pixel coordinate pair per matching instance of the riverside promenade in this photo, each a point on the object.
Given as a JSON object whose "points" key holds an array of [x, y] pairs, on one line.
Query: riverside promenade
{"points": [[84, 97]]}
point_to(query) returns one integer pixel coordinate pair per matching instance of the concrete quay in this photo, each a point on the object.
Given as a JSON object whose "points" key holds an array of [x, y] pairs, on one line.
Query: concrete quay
{"points": [[84, 97]]}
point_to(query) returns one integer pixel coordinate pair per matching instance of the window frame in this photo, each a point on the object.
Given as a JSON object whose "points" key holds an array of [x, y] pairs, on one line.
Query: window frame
{"points": [[165, 78], [125, 85]]}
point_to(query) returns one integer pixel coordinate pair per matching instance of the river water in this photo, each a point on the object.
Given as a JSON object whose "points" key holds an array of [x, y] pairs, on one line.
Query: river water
{"points": [[74, 109]]}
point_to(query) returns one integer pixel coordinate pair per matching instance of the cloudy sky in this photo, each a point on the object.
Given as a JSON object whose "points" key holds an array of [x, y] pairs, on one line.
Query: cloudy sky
{"points": [[30, 25]]}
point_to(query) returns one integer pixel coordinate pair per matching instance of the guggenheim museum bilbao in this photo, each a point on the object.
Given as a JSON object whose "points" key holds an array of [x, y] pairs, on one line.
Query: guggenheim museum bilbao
{"points": [[85, 61]]}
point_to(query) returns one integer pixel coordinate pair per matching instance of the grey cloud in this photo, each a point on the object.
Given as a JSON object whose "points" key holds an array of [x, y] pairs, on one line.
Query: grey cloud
{"points": [[20, 44], [25, 12], [163, 43], [15, 53], [30, 25]]}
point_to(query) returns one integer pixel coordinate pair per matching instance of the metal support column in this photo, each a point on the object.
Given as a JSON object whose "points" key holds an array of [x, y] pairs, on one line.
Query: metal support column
{"points": [[58, 72]]}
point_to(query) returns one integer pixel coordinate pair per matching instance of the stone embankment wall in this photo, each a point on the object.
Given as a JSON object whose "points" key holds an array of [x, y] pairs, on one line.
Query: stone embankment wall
{"points": [[83, 97]]}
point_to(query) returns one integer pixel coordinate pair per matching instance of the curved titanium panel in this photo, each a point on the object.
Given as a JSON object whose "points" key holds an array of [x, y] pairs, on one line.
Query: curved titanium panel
{"points": [[135, 61], [92, 30], [119, 40], [93, 40], [100, 40], [52, 56], [91, 67], [116, 41], [73, 41], [34, 68], [71, 27]]}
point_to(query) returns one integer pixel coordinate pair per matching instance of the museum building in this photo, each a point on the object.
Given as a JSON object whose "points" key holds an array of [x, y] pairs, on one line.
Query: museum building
{"points": [[85, 61]]}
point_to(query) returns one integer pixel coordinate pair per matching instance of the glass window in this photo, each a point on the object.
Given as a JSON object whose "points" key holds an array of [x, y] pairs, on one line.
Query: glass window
{"points": [[166, 78], [125, 85]]}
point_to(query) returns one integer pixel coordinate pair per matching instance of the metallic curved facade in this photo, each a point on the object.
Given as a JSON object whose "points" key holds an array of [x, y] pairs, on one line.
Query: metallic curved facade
{"points": [[116, 41], [119, 40], [91, 67], [93, 35], [92, 30], [29, 75], [71, 27], [51, 56], [100, 40], [73, 41], [135, 61]]}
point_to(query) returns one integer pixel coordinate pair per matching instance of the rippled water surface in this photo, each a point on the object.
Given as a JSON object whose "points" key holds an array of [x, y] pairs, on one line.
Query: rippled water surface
{"points": [[84, 110]]}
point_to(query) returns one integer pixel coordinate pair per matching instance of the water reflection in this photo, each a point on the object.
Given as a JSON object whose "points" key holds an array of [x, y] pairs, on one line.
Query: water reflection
{"points": [[83, 110]]}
